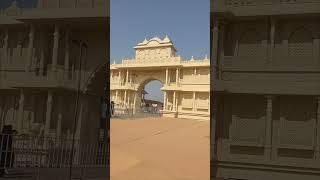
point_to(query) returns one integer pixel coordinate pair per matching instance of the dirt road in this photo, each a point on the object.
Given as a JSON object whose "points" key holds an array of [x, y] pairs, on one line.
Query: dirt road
{"points": [[159, 149]]}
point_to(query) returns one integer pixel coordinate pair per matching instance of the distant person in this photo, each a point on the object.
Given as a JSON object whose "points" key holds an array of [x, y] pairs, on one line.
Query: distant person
{"points": [[112, 108], [7, 154]]}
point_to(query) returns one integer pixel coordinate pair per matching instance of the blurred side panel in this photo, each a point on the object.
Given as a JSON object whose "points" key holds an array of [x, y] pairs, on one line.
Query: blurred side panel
{"points": [[54, 59], [265, 65]]}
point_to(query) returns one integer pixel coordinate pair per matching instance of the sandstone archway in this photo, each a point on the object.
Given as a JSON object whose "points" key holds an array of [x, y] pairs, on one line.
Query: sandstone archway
{"points": [[186, 82]]}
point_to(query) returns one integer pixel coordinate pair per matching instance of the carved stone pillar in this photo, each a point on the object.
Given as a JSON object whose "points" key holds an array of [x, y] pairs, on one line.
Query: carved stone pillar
{"points": [[317, 153], [48, 112], [272, 38], [30, 48], [60, 116], [129, 100], [127, 78], [134, 102], [33, 113], [167, 101], [174, 101], [164, 100], [19, 45], [131, 77], [268, 130], [20, 111], [119, 77], [125, 97], [177, 76], [194, 102], [4, 61], [82, 112], [167, 76], [116, 96], [55, 49], [42, 53], [67, 53], [5, 45]]}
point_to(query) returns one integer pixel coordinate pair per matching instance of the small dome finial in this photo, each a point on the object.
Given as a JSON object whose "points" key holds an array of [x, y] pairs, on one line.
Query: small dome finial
{"points": [[145, 40], [166, 39]]}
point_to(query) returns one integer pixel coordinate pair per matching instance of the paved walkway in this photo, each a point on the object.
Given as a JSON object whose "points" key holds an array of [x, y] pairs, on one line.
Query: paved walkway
{"points": [[159, 149]]}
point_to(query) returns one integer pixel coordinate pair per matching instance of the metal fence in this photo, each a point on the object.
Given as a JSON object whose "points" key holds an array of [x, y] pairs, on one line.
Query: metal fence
{"points": [[143, 112], [19, 151]]}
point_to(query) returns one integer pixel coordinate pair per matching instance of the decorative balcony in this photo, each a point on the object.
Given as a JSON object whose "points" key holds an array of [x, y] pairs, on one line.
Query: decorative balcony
{"points": [[193, 63], [67, 9], [71, 3], [292, 75], [14, 75], [266, 7], [128, 86], [197, 80], [171, 61], [278, 63]]}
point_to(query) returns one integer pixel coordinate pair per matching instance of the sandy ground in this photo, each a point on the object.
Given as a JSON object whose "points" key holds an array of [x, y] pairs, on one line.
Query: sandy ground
{"points": [[159, 149]]}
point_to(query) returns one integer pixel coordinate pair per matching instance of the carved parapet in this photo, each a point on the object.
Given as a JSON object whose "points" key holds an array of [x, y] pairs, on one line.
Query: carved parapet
{"points": [[202, 61]]}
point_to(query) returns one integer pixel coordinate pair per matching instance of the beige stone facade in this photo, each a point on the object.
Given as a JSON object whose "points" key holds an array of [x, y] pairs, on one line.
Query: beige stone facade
{"points": [[39, 59], [186, 83], [266, 120]]}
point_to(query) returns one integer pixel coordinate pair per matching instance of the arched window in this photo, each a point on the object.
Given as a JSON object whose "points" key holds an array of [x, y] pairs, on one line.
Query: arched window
{"points": [[300, 43], [249, 43]]}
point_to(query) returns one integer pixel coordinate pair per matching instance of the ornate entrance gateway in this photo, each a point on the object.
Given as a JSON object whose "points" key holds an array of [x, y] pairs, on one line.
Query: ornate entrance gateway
{"points": [[186, 82]]}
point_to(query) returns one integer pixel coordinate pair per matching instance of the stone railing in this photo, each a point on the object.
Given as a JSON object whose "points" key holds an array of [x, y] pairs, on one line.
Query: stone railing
{"points": [[262, 63], [202, 104], [124, 84], [197, 62], [71, 3], [170, 60], [14, 73], [265, 7], [266, 2], [196, 80]]}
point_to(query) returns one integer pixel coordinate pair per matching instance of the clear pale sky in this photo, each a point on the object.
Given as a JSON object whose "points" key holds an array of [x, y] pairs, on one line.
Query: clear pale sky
{"points": [[186, 22]]}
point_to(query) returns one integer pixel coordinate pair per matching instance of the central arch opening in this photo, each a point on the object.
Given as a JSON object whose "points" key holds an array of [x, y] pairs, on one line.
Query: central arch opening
{"points": [[151, 96]]}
